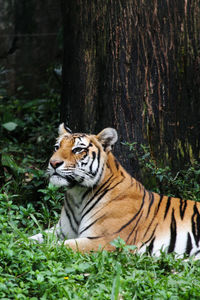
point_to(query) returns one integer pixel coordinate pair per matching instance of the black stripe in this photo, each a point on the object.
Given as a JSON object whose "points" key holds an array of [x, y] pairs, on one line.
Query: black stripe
{"points": [[99, 153], [149, 226], [86, 193], [100, 197], [172, 233], [85, 155], [150, 247], [98, 178], [122, 174], [116, 164], [71, 211], [135, 237], [80, 137], [196, 224], [140, 186], [107, 165], [189, 244], [197, 252], [152, 235], [138, 220], [133, 218], [93, 157], [151, 196], [93, 237], [98, 160], [116, 184], [97, 192], [183, 206], [91, 224], [82, 159], [159, 203], [62, 234], [67, 128], [167, 207], [70, 221], [96, 212], [92, 206]]}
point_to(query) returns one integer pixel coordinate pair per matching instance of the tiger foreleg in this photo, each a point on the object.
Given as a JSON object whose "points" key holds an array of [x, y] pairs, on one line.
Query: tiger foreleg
{"points": [[39, 238], [87, 245]]}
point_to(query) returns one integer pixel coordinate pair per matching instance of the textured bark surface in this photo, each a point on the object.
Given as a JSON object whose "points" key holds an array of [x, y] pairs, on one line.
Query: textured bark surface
{"points": [[134, 65]]}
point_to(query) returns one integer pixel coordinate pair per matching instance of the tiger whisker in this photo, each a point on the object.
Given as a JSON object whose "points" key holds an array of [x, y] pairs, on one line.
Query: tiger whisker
{"points": [[79, 170]]}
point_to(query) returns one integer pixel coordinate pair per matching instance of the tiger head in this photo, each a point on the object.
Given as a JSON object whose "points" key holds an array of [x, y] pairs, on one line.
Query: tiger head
{"points": [[80, 158]]}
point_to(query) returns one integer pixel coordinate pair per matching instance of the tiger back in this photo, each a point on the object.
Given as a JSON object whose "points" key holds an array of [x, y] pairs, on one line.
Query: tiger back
{"points": [[103, 201]]}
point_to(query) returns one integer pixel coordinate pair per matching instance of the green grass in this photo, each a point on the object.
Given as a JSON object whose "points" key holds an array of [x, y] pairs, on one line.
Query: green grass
{"points": [[28, 203], [48, 271]]}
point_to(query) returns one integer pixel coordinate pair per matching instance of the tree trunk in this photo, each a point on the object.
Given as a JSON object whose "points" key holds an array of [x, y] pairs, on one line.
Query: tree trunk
{"points": [[134, 65]]}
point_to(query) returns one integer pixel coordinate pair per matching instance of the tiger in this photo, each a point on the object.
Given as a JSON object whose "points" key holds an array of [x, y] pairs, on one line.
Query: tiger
{"points": [[104, 202]]}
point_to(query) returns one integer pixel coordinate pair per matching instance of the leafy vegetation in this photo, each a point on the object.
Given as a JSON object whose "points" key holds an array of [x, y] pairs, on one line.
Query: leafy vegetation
{"points": [[185, 183], [28, 204]]}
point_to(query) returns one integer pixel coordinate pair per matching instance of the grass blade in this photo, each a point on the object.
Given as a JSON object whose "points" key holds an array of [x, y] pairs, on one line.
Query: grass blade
{"points": [[116, 284]]}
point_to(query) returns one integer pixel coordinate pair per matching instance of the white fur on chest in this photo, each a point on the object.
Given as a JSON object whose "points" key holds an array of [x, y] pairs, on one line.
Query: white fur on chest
{"points": [[71, 221]]}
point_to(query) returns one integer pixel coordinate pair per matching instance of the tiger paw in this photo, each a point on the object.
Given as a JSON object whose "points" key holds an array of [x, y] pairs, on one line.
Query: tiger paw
{"points": [[37, 238]]}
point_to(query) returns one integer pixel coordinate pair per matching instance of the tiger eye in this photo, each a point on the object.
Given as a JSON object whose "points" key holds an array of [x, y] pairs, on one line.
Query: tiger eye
{"points": [[77, 150]]}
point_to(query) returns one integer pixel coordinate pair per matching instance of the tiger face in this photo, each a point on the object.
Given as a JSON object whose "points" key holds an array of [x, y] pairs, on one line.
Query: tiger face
{"points": [[79, 159]]}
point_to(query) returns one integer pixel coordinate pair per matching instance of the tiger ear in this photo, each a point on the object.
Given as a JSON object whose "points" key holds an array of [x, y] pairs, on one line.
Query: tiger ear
{"points": [[63, 129], [107, 138]]}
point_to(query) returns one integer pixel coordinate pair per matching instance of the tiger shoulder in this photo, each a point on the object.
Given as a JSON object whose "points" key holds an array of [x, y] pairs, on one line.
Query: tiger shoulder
{"points": [[103, 202]]}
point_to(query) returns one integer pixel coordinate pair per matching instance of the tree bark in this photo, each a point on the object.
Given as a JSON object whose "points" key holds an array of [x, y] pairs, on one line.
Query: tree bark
{"points": [[134, 65]]}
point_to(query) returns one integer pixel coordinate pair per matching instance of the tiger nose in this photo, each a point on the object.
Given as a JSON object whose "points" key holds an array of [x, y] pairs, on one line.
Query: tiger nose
{"points": [[56, 163]]}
